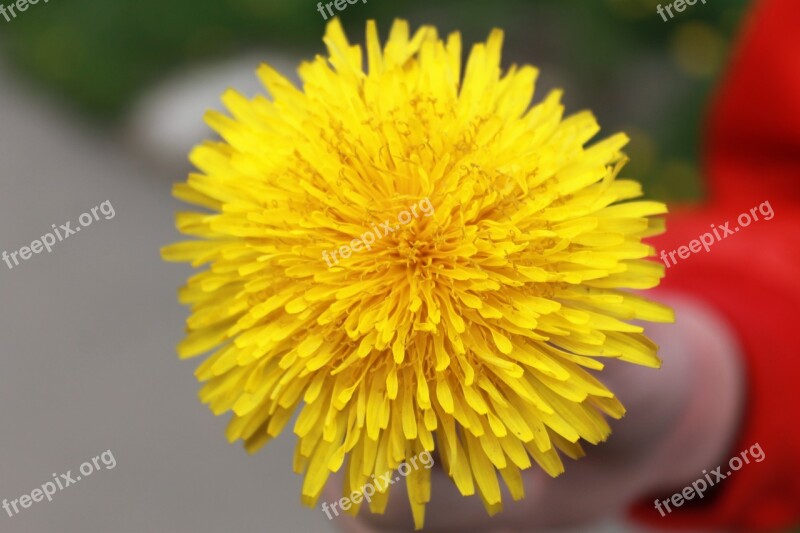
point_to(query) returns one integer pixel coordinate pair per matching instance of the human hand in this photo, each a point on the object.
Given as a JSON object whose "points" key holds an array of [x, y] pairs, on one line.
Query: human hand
{"points": [[680, 419]]}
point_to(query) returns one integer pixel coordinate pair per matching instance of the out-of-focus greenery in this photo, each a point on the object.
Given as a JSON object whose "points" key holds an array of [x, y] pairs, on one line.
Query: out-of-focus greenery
{"points": [[100, 54], [638, 73]]}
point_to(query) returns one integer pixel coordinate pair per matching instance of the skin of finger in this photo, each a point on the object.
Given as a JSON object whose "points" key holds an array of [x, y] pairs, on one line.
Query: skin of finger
{"points": [[707, 432], [616, 472]]}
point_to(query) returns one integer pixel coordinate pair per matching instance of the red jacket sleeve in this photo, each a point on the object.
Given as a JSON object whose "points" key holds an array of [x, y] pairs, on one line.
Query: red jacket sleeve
{"points": [[752, 275]]}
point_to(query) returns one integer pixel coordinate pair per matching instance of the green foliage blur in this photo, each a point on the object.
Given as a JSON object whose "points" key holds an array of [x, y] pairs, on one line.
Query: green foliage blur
{"points": [[638, 73]]}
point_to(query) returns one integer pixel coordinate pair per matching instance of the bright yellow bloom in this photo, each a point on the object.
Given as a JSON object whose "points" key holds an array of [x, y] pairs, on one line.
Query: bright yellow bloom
{"points": [[470, 330]]}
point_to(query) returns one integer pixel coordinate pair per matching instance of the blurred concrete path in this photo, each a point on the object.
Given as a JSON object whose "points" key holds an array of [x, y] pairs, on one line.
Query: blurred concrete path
{"points": [[88, 358]]}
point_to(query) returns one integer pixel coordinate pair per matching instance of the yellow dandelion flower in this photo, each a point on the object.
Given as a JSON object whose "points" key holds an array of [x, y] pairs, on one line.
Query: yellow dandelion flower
{"points": [[470, 329]]}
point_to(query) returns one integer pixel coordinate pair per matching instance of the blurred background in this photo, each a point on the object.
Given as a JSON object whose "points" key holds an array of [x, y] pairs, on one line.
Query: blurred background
{"points": [[143, 64], [103, 100]]}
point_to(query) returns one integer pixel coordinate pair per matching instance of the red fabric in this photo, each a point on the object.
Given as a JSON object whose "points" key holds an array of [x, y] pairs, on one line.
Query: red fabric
{"points": [[752, 277]]}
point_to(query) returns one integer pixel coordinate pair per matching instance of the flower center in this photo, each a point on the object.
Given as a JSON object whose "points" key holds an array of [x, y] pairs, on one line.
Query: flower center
{"points": [[409, 248]]}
